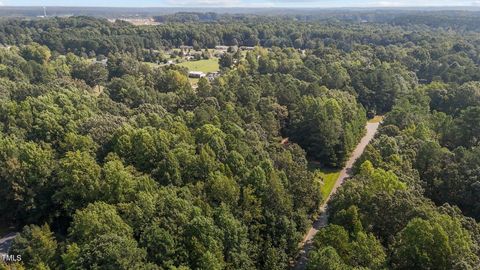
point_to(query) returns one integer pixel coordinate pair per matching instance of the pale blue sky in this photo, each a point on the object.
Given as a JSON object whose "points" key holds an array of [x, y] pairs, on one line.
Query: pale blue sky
{"points": [[242, 3]]}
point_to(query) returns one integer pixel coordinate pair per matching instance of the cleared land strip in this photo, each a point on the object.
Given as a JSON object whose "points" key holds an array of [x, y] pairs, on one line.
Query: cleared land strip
{"points": [[306, 244]]}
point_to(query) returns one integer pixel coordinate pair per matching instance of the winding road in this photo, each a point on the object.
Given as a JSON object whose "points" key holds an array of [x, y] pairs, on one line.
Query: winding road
{"points": [[5, 243], [307, 242]]}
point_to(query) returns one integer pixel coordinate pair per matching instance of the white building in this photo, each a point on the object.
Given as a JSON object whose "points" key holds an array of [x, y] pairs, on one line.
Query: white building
{"points": [[221, 48], [196, 74]]}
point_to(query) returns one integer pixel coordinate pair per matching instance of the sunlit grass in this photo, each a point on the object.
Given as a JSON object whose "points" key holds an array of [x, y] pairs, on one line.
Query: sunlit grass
{"points": [[206, 65], [376, 119], [326, 176]]}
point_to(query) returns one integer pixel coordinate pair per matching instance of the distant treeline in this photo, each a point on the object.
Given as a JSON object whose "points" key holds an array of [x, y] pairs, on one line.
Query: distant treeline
{"points": [[432, 52]]}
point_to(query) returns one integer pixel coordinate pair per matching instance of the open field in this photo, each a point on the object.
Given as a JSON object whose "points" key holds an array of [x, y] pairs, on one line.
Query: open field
{"points": [[208, 65]]}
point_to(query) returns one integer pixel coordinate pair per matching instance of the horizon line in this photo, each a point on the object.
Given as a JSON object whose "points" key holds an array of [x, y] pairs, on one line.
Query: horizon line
{"points": [[248, 7]]}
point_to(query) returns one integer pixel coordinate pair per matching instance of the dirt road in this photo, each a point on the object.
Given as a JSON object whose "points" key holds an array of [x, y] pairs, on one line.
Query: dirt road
{"points": [[307, 242], [5, 243]]}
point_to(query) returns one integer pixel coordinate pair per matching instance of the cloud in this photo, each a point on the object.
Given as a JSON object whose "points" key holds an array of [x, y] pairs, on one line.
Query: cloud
{"points": [[217, 3], [226, 3]]}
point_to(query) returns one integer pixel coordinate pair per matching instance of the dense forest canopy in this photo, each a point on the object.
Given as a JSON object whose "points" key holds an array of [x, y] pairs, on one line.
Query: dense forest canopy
{"points": [[111, 159]]}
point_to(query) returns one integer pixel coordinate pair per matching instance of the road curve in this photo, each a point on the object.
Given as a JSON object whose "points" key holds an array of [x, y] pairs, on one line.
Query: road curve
{"points": [[306, 244], [5, 243]]}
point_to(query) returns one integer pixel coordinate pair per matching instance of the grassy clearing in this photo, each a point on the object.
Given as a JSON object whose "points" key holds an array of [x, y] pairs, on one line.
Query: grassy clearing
{"points": [[326, 176], [329, 179], [376, 119], [207, 65]]}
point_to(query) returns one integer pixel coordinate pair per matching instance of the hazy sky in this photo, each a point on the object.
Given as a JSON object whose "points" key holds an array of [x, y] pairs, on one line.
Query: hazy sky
{"points": [[242, 3]]}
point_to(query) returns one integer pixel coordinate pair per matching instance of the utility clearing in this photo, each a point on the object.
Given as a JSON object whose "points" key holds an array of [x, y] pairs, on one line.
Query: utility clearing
{"points": [[307, 242]]}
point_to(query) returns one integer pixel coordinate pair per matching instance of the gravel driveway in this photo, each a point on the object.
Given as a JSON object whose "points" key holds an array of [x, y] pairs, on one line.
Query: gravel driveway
{"points": [[307, 242]]}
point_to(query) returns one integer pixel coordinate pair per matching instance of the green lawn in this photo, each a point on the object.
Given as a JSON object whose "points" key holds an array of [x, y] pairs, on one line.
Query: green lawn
{"points": [[329, 179], [208, 65], [327, 176]]}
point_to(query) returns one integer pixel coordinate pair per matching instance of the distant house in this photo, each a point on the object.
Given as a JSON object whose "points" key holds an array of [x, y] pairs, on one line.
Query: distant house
{"points": [[247, 48], [423, 81], [221, 48], [102, 62], [213, 75], [186, 47], [196, 74]]}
